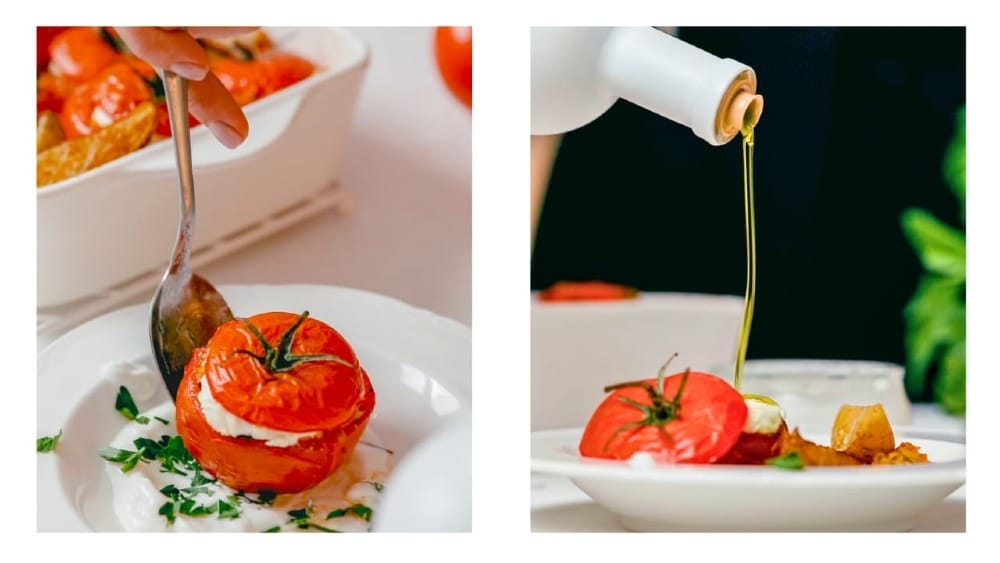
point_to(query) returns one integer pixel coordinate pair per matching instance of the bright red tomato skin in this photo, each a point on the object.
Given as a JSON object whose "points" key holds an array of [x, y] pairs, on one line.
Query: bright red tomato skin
{"points": [[711, 418], [311, 396], [251, 465], [43, 38], [80, 53], [116, 90], [281, 70], [453, 53], [241, 78], [316, 396]]}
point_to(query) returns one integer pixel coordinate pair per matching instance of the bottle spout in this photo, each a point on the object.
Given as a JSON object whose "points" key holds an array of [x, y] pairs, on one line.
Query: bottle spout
{"points": [[740, 107], [745, 110]]}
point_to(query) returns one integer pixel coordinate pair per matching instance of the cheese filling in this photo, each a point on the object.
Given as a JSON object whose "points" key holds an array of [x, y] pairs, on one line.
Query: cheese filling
{"points": [[228, 424], [762, 418]]}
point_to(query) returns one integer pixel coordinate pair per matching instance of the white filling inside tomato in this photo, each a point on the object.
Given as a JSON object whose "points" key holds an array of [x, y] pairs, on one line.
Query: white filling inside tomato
{"points": [[762, 418], [228, 424]]}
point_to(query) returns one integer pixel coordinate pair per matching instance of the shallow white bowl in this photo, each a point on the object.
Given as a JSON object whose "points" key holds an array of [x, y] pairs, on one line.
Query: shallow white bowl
{"points": [[419, 364], [706, 498]]}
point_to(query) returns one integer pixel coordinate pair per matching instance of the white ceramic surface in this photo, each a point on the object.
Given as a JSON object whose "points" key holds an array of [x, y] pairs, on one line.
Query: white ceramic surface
{"points": [[756, 498], [419, 363], [95, 230], [431, 490], [578, 348]]}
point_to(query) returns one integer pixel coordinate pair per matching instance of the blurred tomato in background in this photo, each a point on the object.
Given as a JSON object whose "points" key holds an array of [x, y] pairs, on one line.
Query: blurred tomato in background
{"points": [[453, 51]]}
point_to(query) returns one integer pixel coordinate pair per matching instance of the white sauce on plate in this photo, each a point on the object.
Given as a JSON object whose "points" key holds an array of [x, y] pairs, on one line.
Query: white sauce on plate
{"points": [[141, 381], [136, 496]]}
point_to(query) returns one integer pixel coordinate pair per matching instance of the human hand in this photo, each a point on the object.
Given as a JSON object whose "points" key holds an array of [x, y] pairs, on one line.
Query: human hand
{"points": [[176, 49]]}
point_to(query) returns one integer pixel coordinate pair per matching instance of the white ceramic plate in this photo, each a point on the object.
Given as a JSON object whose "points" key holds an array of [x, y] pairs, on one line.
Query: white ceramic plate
{"points": [[419, 364], [706, 498]]}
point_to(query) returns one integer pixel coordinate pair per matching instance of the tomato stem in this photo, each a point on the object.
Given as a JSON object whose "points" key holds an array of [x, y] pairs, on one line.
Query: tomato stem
{"points": [[279, 358], [660, 411]]}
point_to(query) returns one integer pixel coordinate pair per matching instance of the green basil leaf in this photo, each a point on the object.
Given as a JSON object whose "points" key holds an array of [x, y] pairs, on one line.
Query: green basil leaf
{"points": [[954, 162], [791, 460], [940, 247], [48, 443], [949, 390]]}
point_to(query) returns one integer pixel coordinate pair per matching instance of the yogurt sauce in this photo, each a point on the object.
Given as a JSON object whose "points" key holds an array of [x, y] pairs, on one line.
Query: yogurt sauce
{"points": [[136, 496]]}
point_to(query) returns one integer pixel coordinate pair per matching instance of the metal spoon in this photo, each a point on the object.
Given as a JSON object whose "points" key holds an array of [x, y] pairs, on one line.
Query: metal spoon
{"points": [[186, 309]]}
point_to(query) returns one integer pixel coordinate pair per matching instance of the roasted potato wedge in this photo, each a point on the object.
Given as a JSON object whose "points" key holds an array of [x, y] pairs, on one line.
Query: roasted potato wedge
{"points": [[78, 155], [862, 431], [813, 453], [50, 132]]}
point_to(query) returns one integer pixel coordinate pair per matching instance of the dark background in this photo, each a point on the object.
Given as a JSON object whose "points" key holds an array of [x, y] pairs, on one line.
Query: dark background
{"points": [[854, 128]]}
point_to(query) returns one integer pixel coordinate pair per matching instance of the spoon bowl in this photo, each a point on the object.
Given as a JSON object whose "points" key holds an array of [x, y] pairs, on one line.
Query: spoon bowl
{"points": [[186, 309]]}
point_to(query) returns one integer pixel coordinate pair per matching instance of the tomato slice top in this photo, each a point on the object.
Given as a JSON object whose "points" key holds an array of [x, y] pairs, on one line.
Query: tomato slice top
{"points": [[308, 396], [708, 423]]}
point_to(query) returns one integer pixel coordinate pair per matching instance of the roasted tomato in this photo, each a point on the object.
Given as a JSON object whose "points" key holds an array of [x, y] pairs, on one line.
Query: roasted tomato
{"points": [[453, 52], [688, 417], [277, 372], [281, 70], [761, 436], [107, 97], [43, 38], [79, 53], [241, 78], [587, 291], [163, 120]]}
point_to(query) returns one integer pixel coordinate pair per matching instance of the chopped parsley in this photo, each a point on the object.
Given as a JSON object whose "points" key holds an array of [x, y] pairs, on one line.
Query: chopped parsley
{"points": [[127, 458], [361, 511], [264, 496], [126, 405], [162, 420], [301, 519], [791, 460], [49, 443], [378, 486]]}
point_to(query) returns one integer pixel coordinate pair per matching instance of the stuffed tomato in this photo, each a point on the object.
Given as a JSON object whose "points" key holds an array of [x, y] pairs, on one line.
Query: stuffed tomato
{"points": [[274, 402]]}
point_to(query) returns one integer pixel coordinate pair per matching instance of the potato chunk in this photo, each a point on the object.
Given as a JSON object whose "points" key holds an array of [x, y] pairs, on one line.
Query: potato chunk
{"points": [[862, 432], [75, 156]]}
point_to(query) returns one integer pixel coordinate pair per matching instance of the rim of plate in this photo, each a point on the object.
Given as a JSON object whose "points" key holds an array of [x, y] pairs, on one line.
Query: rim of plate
{"points": [[554, 452]]}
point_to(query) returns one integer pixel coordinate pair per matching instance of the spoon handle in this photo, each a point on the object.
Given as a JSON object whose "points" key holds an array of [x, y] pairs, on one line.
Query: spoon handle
{"points": [[177, 107]]}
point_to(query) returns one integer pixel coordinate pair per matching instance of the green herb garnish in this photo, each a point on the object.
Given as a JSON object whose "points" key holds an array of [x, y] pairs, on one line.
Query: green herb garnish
{"points": [[126, 405], [264, 496], [378, 486], [359, 510], [272, 530], [300, 518], [127, 458], [49, 443], [791, 460], [162, 420]]}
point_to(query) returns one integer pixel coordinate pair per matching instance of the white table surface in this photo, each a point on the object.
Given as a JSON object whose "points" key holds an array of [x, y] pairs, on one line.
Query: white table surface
{"points": [[557, 505], [408, 169]]}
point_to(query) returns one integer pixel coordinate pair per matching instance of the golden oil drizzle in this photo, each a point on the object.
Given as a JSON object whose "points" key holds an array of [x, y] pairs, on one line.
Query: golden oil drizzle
{"points": [[751, 247]]}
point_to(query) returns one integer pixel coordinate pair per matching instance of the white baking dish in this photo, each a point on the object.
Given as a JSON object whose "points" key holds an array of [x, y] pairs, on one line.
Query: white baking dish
{"points": [[118, 223]]}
